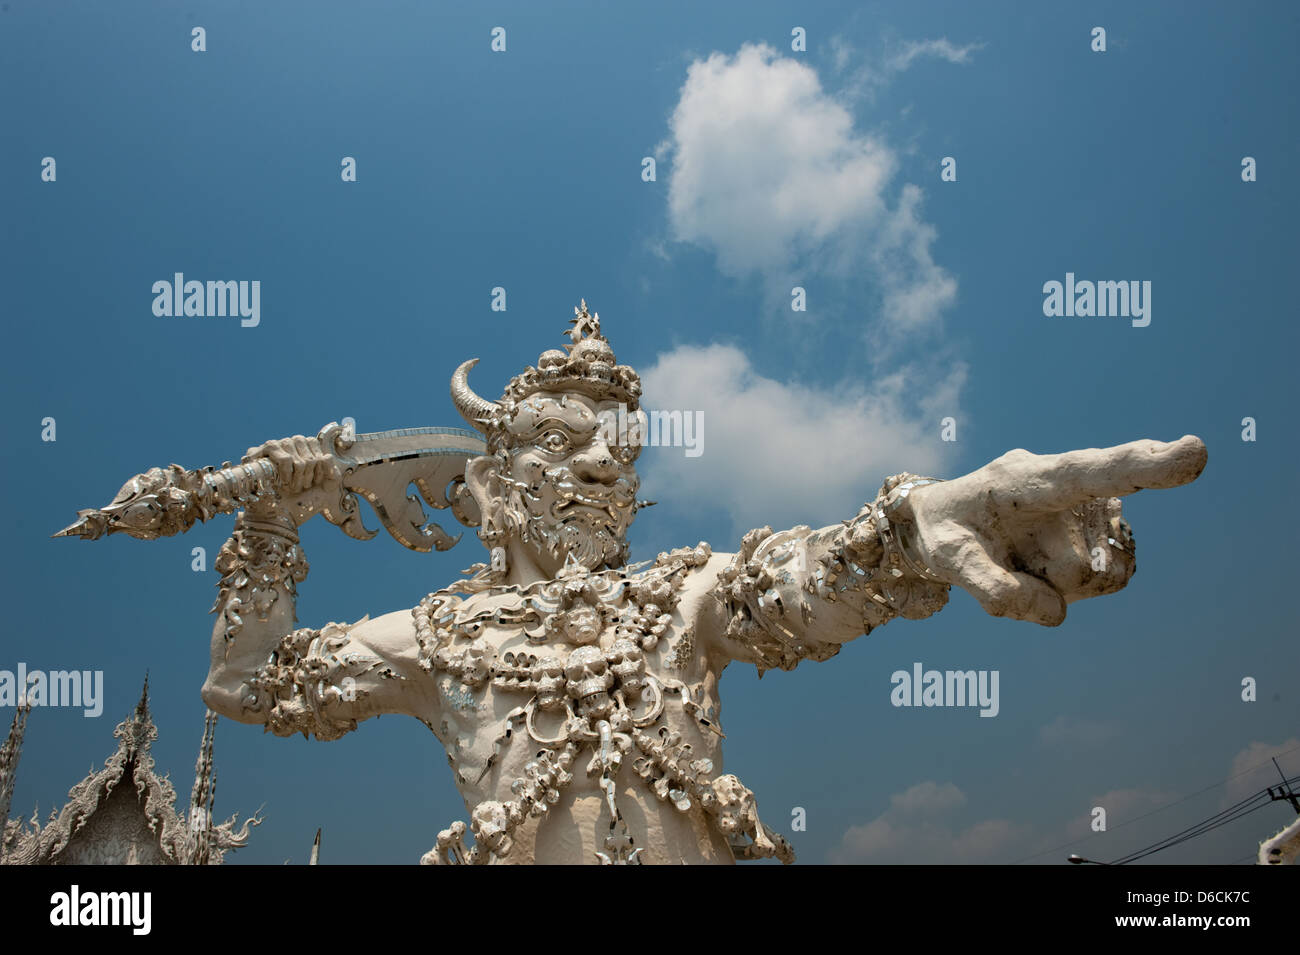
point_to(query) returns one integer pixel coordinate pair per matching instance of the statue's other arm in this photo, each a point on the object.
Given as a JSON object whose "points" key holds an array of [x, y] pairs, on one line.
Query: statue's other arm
{"points": [[263, 669]]}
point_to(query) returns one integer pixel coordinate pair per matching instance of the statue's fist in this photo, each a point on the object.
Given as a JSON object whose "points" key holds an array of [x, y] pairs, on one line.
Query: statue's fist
{"points": [[301, 463]]}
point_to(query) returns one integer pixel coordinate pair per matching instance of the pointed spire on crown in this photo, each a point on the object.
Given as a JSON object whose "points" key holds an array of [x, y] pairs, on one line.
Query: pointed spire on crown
{"points": [[586, 366]]}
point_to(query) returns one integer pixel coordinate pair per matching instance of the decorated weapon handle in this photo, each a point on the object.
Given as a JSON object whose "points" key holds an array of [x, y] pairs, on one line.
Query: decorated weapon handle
{"points": [[390, 470], [163, 502], [166, 501]]}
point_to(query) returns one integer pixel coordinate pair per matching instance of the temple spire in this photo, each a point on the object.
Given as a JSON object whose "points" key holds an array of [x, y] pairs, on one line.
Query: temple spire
{"points": [[137, 731], [202, 796], [9, 754]]}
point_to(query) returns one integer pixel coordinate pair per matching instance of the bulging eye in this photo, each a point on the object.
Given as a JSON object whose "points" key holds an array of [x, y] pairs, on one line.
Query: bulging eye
{"points": [[555, 441]]}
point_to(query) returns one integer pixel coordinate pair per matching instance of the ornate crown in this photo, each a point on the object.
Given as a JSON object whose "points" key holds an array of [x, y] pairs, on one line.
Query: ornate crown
{"points": [[587, 366]]}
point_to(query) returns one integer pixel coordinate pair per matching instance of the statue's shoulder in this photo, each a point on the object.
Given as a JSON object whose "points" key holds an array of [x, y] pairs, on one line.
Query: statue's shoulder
{"points": [[450, 609], [682, 576], [680, 563], [390, 629]]}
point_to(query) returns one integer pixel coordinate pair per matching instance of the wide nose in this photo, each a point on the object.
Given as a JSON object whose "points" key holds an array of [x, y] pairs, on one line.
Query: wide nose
{"points": [[595, 465]]}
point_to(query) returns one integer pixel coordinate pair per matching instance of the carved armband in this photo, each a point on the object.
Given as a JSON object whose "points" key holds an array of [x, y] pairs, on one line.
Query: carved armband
{"points": [[305, 678], [762, 590], [261, 555], [800, 594], [910, 589]]}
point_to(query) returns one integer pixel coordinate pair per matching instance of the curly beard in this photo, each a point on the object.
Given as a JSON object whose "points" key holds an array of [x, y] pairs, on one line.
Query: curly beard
{"points": [[592, 531], [591, 546]]}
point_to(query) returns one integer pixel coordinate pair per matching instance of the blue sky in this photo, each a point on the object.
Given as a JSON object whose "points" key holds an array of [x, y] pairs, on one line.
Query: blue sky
{"points": [[775, 168]]}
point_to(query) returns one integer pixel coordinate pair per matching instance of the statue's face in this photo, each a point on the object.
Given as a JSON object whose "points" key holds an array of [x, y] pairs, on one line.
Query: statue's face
{"points": [[572, 485]]}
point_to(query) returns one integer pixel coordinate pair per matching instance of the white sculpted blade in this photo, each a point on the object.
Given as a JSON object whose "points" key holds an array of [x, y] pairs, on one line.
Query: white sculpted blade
{"points": [[380, 467]]}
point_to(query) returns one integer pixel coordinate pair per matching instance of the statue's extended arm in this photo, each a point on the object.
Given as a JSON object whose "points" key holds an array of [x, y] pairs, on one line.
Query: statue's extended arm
{"points": [[314, 681], [802, 593], [1026, 535]]}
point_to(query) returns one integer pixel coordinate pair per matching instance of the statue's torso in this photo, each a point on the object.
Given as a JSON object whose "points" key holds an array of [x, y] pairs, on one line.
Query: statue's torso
{"points": [[549, 693]]}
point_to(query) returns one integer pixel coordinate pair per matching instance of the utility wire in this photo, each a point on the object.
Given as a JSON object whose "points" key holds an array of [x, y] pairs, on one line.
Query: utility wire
{"points": [[1152, 812], [1231, 814], [1171, 842]]}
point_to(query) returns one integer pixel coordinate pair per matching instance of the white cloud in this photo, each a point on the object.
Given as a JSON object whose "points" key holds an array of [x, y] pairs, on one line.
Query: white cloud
{"points": [[876, 71], [1126, 805], [941, 48], [849, 436], [915, 289], [841, 52], [928, 797], [768, 172], [764, 161], [1064, 731], [1253, 769], [914, 829], [1122, 806]]}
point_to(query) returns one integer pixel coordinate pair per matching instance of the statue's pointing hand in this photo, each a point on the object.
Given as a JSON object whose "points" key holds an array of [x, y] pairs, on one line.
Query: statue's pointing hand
{"points": [[1029, 533]]}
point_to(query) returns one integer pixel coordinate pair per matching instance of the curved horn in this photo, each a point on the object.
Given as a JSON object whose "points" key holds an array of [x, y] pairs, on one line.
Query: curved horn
{"points": [[471, 407]]}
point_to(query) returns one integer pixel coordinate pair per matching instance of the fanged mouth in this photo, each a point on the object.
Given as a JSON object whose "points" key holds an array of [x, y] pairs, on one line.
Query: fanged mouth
{"points": [[608, 502], [607, 508]]}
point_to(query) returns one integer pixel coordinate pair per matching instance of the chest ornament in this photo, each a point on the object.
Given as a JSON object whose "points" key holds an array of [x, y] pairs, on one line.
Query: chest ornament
{"points": [[588, 709]]}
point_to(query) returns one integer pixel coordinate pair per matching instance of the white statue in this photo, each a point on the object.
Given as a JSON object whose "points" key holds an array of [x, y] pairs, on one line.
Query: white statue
{"points": [[576, 696]]}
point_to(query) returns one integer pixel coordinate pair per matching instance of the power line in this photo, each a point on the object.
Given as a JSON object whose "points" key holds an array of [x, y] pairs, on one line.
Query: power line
{"points": [[1152, 812], [1284, 791], [1231, 814], [1172, 841]]}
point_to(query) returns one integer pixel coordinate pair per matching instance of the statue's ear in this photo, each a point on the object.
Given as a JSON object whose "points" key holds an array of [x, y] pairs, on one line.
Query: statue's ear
{"points": [[463, 504], [483, 481]]}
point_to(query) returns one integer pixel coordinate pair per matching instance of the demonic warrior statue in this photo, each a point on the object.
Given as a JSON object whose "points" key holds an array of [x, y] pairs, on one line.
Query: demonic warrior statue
{"points": [[577, 696]]}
